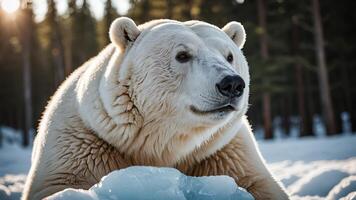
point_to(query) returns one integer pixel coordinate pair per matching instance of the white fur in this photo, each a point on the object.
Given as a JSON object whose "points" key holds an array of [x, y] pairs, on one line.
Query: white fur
{"points": [[131, 105], [123, 31], [236, 32]]}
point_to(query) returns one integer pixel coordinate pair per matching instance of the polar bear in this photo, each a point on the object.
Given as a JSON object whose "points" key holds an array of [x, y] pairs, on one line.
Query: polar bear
{"points": [[165, 93]]}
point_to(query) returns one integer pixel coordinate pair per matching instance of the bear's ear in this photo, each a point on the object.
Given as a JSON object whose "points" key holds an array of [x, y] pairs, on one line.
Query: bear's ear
{"points": [[123, 31], [236, 32]]}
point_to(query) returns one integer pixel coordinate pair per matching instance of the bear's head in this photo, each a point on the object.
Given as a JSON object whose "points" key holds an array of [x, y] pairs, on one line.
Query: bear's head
{"points": [[185, 80]]}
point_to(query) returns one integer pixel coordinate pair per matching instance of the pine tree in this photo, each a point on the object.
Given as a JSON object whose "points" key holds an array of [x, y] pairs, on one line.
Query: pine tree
{"points": [[84, 43], [26, 41], [109, 16], [169, 10], [56, 45], [266, 97], [139, 11], [11, 71], [145, 10], [299, 77], [324, 88], [70, 44]]}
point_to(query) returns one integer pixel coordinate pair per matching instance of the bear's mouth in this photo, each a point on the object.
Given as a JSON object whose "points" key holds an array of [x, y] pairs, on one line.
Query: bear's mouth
{"points": [[226, 108]]}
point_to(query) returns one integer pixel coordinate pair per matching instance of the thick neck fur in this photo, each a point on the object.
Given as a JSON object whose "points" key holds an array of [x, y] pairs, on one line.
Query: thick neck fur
{"points": [[106, 106]]}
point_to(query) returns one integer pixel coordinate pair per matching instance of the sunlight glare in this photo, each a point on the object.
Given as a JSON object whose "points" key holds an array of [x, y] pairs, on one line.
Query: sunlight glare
{"points": [[10, 6]]}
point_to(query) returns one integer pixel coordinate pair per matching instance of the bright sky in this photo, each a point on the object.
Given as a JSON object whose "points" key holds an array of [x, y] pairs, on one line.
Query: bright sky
{"points": [[96, 6]]}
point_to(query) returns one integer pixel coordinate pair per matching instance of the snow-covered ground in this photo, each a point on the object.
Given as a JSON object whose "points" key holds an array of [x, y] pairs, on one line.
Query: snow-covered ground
{"points": [[14, 165], [314, 168], [310, 168]]}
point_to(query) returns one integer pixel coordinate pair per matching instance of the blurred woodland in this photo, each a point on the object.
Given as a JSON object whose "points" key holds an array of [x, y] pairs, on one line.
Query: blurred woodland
{"points": [[302, 56]]}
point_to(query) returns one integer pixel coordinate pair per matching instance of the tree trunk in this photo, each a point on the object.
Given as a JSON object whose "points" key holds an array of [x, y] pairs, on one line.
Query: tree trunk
{"points": [[67, 49], [58, 57], [56, 45], [267, 122], [187, 14], [286, 111], [146, 7], [347, 92], [326, 102], [339, 107], [26, 58], [353, 121], [266, 99], [301, 103], [310, 103], [68, 58], [169, 11], [300, 81], [1, 138]]}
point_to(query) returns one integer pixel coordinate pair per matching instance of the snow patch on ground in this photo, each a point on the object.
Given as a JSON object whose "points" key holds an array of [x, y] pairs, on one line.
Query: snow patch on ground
{"points": [[15, 163], [309, 149], [11, 186], [351, 196], [317, 182], [310, 168], [345, 187], [14, 159], [313, 168]]}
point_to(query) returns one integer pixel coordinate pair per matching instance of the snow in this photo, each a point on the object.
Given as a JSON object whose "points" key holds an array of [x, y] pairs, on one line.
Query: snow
{"points": [[345, 187], [309, 149], [11, 186], [14, 165], [314, 168], [351, 196], [310, 168], [151, 183], [14, 159]]}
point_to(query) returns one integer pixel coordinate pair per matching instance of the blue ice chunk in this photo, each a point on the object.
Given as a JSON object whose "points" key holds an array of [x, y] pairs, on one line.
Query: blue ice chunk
{"points": [[152, 183]]}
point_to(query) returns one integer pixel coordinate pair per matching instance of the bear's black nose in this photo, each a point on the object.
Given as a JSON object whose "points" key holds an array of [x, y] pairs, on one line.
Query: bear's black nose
{"points": [[231, 86]]}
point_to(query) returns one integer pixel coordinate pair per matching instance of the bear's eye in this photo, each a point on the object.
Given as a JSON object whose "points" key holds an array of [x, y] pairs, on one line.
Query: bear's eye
{"points": [[230, 58], [183, 57]]}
